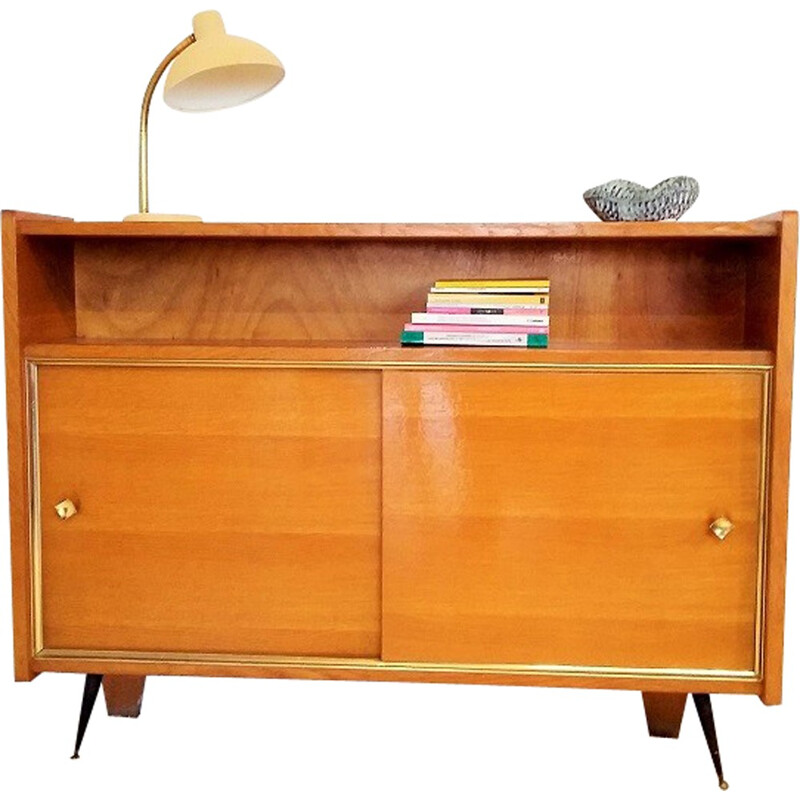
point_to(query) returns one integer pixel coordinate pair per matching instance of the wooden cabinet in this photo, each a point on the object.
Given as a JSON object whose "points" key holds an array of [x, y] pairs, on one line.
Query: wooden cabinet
{"points": [[263, 482]]}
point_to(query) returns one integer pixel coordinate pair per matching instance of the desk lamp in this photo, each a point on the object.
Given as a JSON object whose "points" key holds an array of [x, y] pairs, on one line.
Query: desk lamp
{"points": [[210, 70]]}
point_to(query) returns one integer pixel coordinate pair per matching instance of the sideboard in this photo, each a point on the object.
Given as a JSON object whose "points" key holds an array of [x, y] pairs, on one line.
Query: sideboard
{"points": [[223, 463]]}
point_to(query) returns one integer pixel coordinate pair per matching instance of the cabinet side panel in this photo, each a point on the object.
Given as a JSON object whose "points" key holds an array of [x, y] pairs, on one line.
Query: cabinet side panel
{"points": [[778, 509], [38, 300]]}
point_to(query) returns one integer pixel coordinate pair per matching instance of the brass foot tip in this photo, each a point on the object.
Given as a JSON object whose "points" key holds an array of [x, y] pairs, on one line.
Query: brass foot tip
{"points": [[74, 756], [723, 784]]}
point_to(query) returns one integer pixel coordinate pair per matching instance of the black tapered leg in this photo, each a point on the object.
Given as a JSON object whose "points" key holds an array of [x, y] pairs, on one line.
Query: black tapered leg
{"points": [[702, 703], [90, 689]]}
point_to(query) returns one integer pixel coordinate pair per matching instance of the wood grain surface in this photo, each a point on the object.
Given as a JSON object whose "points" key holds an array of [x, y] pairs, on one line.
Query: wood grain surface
{"points": [[38, 303], [766, 227], [781, 313], [563, 518], [354, 669], [123, 694], [664, 713], [607, 292], [389, 354], [233, 511]]}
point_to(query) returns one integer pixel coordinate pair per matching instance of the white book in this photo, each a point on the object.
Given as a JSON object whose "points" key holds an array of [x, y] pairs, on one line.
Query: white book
{"points": [[482, 307], [422, 317]]}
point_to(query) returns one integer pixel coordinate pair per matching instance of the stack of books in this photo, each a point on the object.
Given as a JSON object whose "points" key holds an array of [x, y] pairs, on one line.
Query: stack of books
{"points": [[490, 313]]}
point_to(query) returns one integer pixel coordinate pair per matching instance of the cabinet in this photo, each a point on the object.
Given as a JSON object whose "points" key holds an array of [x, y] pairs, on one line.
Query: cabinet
{"points": [[222, 463]]}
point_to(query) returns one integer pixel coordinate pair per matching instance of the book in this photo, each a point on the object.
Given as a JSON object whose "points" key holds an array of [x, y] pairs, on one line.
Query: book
{"points": [[495, 320], [488, 285], [472, 299], [490, 290], [542, 329], [474, 339], [494, 311]]}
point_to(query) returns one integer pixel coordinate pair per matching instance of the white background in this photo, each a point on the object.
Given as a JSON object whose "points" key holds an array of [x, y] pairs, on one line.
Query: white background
{"points": [[412, 111]]}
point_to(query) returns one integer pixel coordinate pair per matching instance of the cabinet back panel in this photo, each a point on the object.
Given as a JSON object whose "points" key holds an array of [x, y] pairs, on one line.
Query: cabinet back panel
{"points": [[629, 292], [211, 515]]}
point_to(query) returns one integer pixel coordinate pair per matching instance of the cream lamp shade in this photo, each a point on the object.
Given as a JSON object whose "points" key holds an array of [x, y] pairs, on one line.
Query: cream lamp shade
{"points": [[218, 70], [209, 70]]}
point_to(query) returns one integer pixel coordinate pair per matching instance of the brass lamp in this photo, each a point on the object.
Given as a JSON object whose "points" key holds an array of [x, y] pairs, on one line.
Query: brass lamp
{"points": [[210, 70]]}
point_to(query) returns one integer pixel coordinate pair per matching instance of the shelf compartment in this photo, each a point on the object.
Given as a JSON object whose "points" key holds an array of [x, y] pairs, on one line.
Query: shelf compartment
{"points": [[606, 293]]}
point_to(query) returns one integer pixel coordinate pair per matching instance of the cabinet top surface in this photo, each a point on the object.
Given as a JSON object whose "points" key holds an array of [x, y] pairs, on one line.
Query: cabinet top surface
{"points": [[37, 226]]}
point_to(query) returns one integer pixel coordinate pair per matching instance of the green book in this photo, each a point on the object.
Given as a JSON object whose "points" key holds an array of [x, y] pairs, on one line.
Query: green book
{"points": [[475, 339]]}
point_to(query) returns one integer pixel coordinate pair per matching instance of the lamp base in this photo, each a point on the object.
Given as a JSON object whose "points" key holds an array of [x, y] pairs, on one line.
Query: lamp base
{"points": [[161, 218]]}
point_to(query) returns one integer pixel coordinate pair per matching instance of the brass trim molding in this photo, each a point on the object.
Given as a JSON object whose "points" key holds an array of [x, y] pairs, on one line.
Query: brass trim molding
{"points": [[554, 670], [322, 662], [763, 503], [34, 512], [483, 366]]}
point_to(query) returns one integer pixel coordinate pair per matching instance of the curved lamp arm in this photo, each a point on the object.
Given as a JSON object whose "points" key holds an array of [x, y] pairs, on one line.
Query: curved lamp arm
{"points": [[148, 95]]}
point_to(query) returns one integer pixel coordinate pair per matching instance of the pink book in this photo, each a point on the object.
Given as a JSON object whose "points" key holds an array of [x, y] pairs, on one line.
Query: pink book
{"points": [[535, 311], [540, 329]]}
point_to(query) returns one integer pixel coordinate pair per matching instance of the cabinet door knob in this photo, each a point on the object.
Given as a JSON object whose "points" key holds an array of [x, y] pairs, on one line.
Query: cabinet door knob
{"points": [[721, 527], [66, 509]]}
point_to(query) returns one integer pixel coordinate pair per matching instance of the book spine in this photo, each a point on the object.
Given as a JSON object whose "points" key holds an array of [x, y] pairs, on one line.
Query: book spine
{"points": [[489, 290], [471, 298], [474, 339], [482, 285], [483, 309], [495, 320], [540, 329], [537, 311]]}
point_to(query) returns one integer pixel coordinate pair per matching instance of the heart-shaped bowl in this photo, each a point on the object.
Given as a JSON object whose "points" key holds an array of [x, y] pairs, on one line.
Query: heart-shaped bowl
{"points": [[621, 200]]}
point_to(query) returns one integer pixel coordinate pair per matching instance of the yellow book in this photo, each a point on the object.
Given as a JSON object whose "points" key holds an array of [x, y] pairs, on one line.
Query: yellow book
{"points": [[497, 285]]}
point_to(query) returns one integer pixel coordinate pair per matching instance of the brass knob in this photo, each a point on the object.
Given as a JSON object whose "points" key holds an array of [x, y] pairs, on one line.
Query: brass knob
{"points": [[721, 527], [66, 509]]}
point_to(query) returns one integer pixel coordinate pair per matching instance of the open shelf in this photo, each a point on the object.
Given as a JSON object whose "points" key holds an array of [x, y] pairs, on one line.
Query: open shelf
{"points": [[653, 293]]}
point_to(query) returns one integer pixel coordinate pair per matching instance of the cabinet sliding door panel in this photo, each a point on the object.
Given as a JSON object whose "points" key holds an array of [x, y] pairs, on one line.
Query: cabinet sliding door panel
{"points": [[220, 510], [557, 517]]}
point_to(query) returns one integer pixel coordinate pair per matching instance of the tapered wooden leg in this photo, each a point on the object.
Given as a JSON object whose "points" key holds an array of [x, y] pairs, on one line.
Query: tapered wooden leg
{"points": [[90, 689], [123, 694], [702, 703], [664, 712]]}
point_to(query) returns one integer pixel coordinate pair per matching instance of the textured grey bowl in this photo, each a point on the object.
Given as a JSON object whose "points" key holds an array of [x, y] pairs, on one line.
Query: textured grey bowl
{"points": [[622, 200]]}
